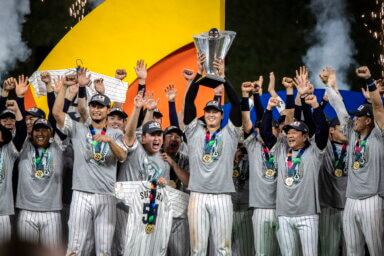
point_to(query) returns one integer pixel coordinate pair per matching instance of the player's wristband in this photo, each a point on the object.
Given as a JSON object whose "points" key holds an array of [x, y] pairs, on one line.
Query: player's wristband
{"points": [[82, 92], [290, 104], [244, 104], [371, 84]]}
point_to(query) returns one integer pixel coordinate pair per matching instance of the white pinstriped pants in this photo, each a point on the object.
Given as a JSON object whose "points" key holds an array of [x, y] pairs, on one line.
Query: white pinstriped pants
{"points": [[265, 228], [293, 231], [91, 216], [179, 242], [210, 212], [242, 233], [331, 231], [5, 229], [40, 227], [363, 221]]}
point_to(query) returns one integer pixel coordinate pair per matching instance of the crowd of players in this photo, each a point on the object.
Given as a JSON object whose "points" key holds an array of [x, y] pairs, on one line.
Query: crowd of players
{"points": [[299, 185]]}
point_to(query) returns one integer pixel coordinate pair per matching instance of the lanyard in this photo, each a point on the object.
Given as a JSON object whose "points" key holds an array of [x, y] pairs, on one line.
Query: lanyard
{"points": [[292, 165], [269, 161], [360, 145], [97, 145], [339, 161], [38, 158], [210, 141]]}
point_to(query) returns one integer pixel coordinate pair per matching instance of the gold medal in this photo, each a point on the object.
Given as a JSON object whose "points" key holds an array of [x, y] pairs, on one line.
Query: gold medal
{"points": [[149, 228], [269, 173], [338, 172], [39, 174], [236, 173], [289, 181], [207, 158], [356, 165], [97, 156], [172, 183]]}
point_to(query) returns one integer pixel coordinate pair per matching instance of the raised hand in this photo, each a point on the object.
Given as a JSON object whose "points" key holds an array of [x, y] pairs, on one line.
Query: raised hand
{"points": [[287, 82], [363, 72], [141, 71], [73, 90], [120, 74], [218, 90], [22, 85], [99, 85], [302, 85], [332, 78], [273, 102], [70, 80], [170, 92], [150, 102], [258, 86], [324, 75], [12, 105], [366, 94], [200, 62], [82, 77], [59, 82], [303, 73], [246, 88], [218, 64], [46, 77], [188, 74], [140, 99], [272, 84], [9, 84], [311, 100]]}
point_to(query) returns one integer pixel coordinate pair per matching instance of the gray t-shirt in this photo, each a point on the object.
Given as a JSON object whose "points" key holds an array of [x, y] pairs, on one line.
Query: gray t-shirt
{"points": [[40, 189], [262, 192], [364, 182], [240, 199], [8, 155], [332, 188], [142, 166], [215, 175], [89, 175], [302, 197]]}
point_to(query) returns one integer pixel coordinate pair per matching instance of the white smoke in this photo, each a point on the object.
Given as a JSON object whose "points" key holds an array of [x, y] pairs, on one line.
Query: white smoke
{"points": [[95, 3], [333, 45], [12, 47]]}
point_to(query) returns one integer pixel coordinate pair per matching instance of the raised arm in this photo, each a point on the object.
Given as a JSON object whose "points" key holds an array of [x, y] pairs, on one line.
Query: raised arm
{"points": [[57, 110], [246, 89], [188, 75], [290, 101], [150, 104], [21, 89], [83, 81], [21, 127], [257, 92], [130, 129], [171, 94], [374, 94], [266, 124]]}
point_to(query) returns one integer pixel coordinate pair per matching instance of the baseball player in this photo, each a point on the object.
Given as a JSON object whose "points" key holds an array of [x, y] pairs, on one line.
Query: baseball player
{"points": [[363, 215], [211, 149], [39, 192], [117, 119], [31, 115], [9, 151], [152, 210], [96, 152], [298, 163], [144, 161]]}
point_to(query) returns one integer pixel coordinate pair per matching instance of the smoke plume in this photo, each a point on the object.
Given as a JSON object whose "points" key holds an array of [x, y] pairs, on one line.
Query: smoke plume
{"points": [[333, 45]]}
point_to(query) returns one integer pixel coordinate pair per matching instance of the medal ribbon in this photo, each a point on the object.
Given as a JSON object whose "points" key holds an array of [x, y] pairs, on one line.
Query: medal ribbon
{"points": [[152, 203], [292, 164], [269, 161], [97, 145], [339, 161], [360, 145], [209, 141], [38, 158]]}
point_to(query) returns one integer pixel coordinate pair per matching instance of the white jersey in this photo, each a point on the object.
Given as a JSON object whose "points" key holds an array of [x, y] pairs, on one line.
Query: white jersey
{"points": [[170, 202]]}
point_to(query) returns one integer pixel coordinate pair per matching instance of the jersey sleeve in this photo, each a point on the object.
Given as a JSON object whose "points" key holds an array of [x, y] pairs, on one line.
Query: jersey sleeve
{"points": [[378, 132], [190, 129], [178, 202], [118, 138], [234, 131], [124, 192], [69, 127]]}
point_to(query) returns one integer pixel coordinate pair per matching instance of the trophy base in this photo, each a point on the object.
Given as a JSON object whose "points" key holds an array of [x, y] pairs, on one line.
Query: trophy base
{"points": [[210, 81]]}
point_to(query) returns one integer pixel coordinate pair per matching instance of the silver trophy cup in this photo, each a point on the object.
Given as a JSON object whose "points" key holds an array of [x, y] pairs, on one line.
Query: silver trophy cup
{"points": [[213, 44]]}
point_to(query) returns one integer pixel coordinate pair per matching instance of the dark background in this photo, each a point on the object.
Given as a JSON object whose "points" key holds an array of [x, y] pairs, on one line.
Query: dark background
{"points": [[270, 36]]}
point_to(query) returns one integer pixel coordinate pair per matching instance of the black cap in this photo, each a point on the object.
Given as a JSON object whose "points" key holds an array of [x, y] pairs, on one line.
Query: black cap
{"points": [[39, 123], [7, 113], [117, 111], [36, 112], [298, 126], [363, 110], [157, 113], [173, 128], [213, 104], [6, 134], [151, 127], [335, 121], [275, 123], [100, 99]]}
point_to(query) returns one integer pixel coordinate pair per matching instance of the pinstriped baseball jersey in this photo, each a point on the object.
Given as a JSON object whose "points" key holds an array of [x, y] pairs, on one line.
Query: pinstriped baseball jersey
{"points": [[8, 155], [170, 202], [365, 181], [41, 190]]}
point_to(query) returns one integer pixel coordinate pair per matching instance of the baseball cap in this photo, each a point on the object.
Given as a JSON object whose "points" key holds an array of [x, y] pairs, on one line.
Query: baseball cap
{"points": [[42, 123], [151, 127], [117, 111], [298, 126], [363, 110], [335, 121], [157, 113], [173, 128], [100, 99], [213, 104], [7, 113], [36, 112], [6, 134], [275, 123]]}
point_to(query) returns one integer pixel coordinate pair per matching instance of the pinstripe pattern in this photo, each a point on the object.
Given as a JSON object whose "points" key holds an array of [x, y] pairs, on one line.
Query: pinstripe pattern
{"points": [[40, 227], [120, 231], [210, 212], [331, 237], [91, 216], [265, 228], [363, 221], [179, 241], [295, 231], [242, 233], [5, 229]]}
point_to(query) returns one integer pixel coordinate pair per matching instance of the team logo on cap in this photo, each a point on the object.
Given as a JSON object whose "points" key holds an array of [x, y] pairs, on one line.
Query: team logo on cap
{"points": [[154, 125], [33, 110], [296, 123], [100, 97], [361, 108]]}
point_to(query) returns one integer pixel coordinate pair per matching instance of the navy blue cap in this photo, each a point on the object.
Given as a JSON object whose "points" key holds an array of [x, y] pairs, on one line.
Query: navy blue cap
{"points": [[151, 127], [173, 128], [42, 123], [363, 110], [100, 99], [213, 104], [298, 126], [7, 113], [117, 111], [36, 112]]}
